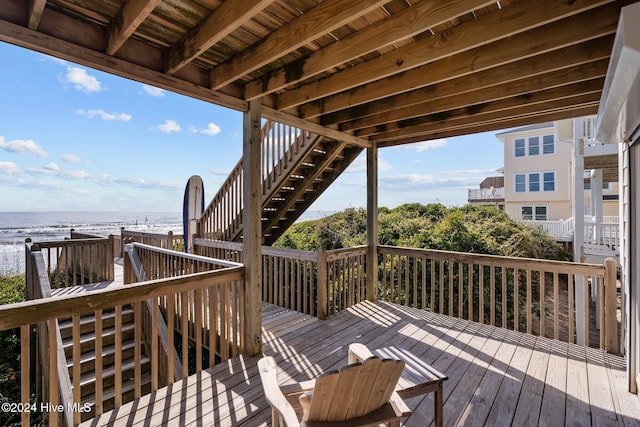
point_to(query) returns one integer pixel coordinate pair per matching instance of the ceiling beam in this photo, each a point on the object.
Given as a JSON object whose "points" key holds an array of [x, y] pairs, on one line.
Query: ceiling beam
{"points": [[391, 108], [409, 22], [130, 15], [497, 112], [500, 24], [326, 17], [279, 116], [39, 42], [498, 125], [557, 35], [423, 113], [229, 16], [36, 9]]}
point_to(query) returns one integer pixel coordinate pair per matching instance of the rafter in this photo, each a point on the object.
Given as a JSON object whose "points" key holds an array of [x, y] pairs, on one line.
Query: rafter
{"points": [[229, 16], [515, 19], [279, 116], [36, 9], [21, 36], [536, 103], [398, 107], [509, 122], [407, 23], [130, 15], [324, 18], [421, 113]]}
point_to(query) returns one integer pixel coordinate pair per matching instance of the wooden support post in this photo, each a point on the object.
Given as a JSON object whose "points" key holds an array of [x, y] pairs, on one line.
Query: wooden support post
{"points": [[372, 222], [322, 284], [578, 221], [610, 306], [252, 236]]}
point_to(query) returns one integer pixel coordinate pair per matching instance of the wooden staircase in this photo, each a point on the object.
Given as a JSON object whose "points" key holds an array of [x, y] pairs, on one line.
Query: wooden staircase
{"points": [[297, 167], [88, 359]]}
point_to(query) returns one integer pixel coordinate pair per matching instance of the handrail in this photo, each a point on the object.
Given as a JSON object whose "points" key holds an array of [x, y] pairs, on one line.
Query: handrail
{"points": [[283, 148], [515, 293], [160, 240], [38, 287], [74, 262], [35, 311]]}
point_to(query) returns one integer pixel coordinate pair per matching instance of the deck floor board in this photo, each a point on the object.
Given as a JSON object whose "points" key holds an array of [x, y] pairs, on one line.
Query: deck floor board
{"points": [[496, 377]]}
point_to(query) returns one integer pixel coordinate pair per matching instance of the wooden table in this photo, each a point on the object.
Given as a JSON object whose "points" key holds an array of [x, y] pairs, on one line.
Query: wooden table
{"points": [[417, 378]]}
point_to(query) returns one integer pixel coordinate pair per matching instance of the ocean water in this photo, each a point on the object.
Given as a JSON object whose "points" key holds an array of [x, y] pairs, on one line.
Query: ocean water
{"points": [[16, 227]]}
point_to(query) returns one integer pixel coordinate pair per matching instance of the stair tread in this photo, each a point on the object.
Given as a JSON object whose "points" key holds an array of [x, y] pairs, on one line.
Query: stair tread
{"points": [[108, 350], [90, 377], [90, 318], [87, 337]]}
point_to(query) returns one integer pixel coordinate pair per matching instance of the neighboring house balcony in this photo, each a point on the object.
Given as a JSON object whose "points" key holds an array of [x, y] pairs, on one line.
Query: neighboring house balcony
{"points": [[600, 238], [486, 195]]}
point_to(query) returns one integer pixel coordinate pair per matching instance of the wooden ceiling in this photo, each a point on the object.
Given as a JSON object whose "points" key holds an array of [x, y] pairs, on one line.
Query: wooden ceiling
{"points": [[394, 72]]}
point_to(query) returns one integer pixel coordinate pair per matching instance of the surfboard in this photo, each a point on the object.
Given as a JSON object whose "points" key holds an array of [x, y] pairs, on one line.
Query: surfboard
{"points": [[192, 208]]}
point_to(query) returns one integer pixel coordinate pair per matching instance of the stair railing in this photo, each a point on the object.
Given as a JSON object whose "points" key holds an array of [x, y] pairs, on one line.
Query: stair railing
{"points": [[283, 148], [56, 380]]}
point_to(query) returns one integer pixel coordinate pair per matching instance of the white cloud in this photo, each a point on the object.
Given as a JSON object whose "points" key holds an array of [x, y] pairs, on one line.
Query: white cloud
{"points": [[360, 164], [71, 158], [81, 80], [52, 167], [211, 130], [20, 146], [423, 146], [169, 126], [217, 171], [153, 91], [414, 181], [123, 117], [9, 168]]}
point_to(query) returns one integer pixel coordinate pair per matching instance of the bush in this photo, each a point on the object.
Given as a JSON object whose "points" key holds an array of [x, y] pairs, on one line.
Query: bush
{"points": [[12, 290], [477, 229]]}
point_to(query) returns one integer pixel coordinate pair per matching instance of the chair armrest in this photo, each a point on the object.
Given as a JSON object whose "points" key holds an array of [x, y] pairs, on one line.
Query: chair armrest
{"points": [[399, 405], [358, 353], [272, 393], [296, 388]]}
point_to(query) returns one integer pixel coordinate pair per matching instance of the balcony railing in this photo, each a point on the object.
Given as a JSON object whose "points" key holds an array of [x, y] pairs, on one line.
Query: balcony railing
{"points": [[486, 194]]}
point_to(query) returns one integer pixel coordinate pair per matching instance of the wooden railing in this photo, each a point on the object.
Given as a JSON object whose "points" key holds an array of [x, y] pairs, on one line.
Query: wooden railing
{"points": [[528, 295], [318, 283], [56, 382], [346, 280], [283, 148], [210, 290], [188, 313], [289, 276], [74, 262], [166, 241]]}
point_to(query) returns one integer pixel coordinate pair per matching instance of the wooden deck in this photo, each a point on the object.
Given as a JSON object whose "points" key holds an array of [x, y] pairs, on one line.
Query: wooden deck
{"points": [[496, 377]]}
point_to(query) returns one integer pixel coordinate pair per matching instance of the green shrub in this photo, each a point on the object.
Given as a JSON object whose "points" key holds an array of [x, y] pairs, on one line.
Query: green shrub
{"points": [[12, 290]]}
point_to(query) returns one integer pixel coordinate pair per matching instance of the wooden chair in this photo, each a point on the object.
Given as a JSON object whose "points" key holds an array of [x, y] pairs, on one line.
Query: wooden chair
{"points": [[359, 394]]}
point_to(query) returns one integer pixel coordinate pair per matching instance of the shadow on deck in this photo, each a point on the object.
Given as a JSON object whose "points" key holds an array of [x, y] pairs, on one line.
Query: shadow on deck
{"points": [[496, 376]]}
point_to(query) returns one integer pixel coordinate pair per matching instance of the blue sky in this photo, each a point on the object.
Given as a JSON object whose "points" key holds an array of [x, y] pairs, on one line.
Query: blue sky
{"points": [[76, 139]]}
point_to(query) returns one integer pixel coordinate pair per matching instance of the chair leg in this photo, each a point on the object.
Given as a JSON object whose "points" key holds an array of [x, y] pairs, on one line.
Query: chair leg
{"points": [[438, 410], [394, 423]]}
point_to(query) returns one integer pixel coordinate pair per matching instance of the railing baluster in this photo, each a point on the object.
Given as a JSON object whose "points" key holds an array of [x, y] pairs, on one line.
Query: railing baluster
{"points": [[98, 363], [118, 357], [76, 364], [25, 372], [54, 398]]}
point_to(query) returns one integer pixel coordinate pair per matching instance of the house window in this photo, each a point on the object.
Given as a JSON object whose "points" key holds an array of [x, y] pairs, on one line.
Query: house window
{"points": [[548, 144], [531, 146], [537, 213], [519, 147], [549, 183], [534, 146], [534, 182], [520, 183]]}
